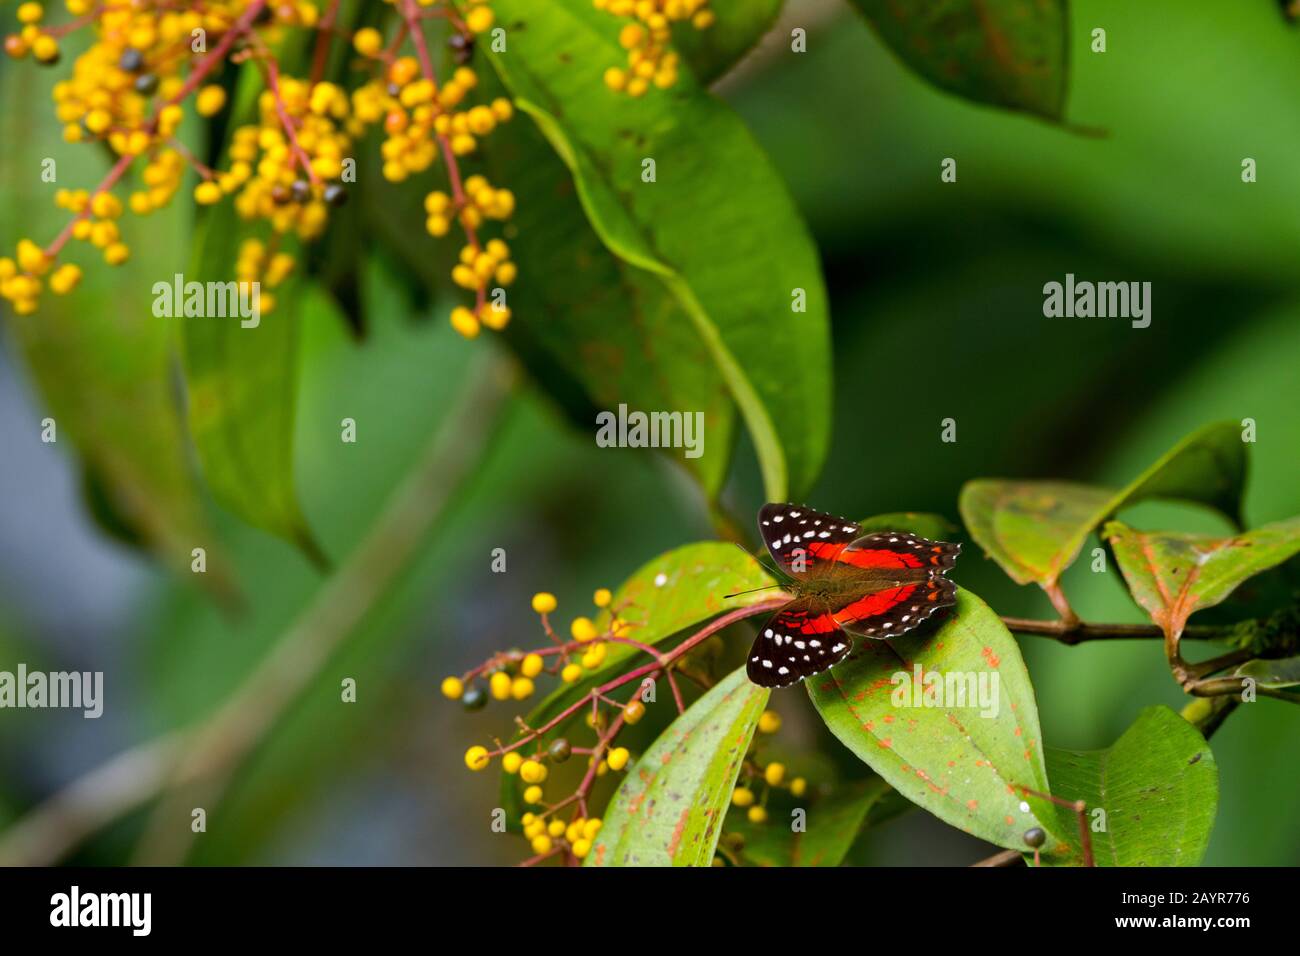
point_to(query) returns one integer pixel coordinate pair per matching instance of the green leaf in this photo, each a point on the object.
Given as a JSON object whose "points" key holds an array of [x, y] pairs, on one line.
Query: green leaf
{"points": [[243, 385], [736, 30], [1034, 529], [1174, 575], [716, 227], [583, 315], [1008, 53], [950, 760], [105, 374], [1157, 785], [676, 591], [669, 809], [932, 526], [834, 822], [1283, 672]]}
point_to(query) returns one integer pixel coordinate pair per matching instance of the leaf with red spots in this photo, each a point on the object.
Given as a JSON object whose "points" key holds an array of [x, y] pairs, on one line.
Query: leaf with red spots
{"points": [[1173, 575], [1157, 788], [954, 753], [1008, 53], [669, 809], [1034, 529]]}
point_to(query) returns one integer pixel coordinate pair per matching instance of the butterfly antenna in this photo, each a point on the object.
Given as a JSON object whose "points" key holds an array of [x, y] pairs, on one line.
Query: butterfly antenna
{"points": [[766, 587]]}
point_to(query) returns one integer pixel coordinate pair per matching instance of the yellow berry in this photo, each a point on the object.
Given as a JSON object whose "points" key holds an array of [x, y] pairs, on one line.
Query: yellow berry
{"points": [[30, 13], [798, 786], [634, 711], [452, 688], [532, 771], [207, 193], [532, 665], [581, 848], [594, 657], [32, 258], [543, 603], [479, 19], [499, 685], [618, 758], [556, 828], [742, 797], [571, 673], [521, 688], [583, 629], [774, 773], [495, 317], [602, 597], [117, 253], [541, 844], [510, 763], [368, 41], [591, 828], [769, 722], [210, 100], [615, 79], [65, 279], [757, 815], [533, 795], [476, 758], [464, 321], [45, 48]]}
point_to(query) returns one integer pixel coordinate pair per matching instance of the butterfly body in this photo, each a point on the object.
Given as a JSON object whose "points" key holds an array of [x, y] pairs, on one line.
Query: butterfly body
{"points": [[877, 585]]}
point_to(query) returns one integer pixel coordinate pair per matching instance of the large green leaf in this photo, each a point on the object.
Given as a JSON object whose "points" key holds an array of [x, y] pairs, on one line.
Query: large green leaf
{"points": [[669, 809], [1173, 575], [104, 374], [675, 591], [1009, 53], [1034, 529], [243, 386], [242, 381], [833, 822], [716, 226], [1158, 788], [582, 313], [951, 760]]}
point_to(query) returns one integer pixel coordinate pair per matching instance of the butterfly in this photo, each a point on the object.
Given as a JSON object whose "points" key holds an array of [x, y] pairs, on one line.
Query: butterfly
{"points": [[877, 585]]}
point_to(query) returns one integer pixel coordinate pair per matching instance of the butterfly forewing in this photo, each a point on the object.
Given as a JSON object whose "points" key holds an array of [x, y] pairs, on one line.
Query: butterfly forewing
{"points": [[797, 641], [800, 539]]}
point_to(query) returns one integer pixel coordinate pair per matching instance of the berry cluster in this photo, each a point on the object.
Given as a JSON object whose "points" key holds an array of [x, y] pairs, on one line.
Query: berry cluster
{"points": [[151, 60], [648, 41], [510, 675]]}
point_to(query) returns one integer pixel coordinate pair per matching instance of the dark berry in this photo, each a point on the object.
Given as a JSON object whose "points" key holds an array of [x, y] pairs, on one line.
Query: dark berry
{"points": [[473, 698], [560, 750], [131, 60]]}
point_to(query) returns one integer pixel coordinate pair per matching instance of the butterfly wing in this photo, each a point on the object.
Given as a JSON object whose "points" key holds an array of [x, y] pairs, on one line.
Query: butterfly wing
{"points": [[798, 538], [923, 590], [797, 641]]}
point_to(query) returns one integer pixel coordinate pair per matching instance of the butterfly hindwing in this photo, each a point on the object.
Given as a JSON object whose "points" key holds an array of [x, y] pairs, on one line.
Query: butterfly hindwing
{"points": [[896, 611], [797, 641], [799, 538]]}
